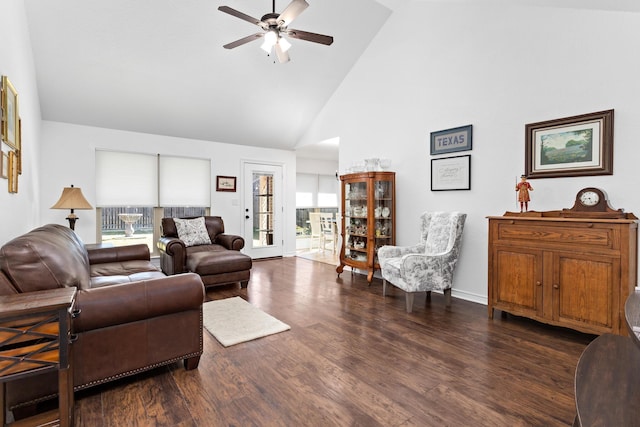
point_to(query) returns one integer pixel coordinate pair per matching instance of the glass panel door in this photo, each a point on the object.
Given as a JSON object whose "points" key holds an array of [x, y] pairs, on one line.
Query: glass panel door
{"points": [[263, 234]]}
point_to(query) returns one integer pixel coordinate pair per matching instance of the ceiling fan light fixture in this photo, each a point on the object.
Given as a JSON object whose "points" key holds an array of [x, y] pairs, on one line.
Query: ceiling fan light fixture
{"points": [[284, 44], [270, 39]]}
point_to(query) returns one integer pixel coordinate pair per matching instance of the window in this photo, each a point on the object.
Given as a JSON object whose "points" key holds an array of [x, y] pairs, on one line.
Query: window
{"points": [[134, 191], [314, 193]]}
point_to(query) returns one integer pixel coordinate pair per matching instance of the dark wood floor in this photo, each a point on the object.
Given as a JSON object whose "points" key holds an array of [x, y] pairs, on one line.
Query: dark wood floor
{"points": [[354, 358]]}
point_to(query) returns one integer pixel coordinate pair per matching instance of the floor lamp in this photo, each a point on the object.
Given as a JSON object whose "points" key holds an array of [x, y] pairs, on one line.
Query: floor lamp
{"points": [[72, 198]]}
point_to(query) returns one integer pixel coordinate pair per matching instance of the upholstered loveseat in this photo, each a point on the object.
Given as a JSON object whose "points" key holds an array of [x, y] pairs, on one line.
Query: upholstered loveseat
{"points": [[131, 317], [214, 255]]}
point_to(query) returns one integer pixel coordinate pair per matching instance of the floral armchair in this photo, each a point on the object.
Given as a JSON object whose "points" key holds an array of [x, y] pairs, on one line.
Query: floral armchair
{"points": [[429, 265]]}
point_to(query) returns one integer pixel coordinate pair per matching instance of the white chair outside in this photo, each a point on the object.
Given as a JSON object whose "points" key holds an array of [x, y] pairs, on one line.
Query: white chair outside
{"points": [[316, 229], [328, 234], [428, 265]]}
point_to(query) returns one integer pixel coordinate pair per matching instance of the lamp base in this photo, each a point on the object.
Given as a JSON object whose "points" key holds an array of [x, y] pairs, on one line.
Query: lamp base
{"points": [[72, 221]]}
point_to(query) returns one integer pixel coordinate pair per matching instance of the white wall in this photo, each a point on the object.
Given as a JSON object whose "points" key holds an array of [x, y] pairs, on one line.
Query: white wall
{"points": [[439, 65], [20, 212], [68, 157]]}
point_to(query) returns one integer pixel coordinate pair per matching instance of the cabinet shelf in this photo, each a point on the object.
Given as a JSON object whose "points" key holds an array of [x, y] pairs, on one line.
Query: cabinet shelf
{"points": [[364, 193]]}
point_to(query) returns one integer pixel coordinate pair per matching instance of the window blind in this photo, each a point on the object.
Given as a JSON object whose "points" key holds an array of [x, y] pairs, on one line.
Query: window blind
{"points": [[185, 181], [126, 179]]}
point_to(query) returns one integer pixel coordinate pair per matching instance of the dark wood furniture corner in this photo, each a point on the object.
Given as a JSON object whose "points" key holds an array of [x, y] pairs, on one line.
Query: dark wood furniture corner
{"points": [[35, 333], [570, 272], [607, 383]]}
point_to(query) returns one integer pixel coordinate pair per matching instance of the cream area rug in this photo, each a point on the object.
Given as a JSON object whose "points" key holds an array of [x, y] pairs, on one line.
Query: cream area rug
{"points": [[233, 320]]}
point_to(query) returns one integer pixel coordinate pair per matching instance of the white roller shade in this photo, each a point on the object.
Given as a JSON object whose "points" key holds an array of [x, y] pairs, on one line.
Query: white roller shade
{"points": [[327, 191], [185, 182], [306, 189], [126, 179]]}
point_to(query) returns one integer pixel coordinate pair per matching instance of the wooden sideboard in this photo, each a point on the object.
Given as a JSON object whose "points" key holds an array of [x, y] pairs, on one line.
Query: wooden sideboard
{"points": [[570, 272]]}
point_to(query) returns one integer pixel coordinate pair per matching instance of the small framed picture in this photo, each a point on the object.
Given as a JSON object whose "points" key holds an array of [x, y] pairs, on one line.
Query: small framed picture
{"points": [[571, 146], [451, 173], [10, 130], [451, 140], [225, 183]]}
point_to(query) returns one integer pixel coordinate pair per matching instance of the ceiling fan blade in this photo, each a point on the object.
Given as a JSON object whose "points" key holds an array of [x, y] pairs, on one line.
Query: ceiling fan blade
{"points": [[295, 8], [243, 40], [238, 14], [282, 55], [310, 37]]}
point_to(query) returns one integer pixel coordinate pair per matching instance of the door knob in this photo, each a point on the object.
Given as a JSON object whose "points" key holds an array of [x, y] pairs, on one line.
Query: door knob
{"points": [[246, 216]]}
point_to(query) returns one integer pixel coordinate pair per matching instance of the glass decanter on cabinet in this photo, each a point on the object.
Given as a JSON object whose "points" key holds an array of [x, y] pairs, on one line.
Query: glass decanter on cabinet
{"points": [[368, 219]]}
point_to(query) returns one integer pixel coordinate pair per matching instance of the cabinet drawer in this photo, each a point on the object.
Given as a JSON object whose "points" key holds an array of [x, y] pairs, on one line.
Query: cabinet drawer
{"points": [[585, 235]]}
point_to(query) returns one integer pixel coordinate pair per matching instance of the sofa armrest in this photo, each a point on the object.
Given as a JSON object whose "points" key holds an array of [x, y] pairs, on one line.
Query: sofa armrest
{"points": [[119, 254], [230, 241], [173, 255], [136, 301]]}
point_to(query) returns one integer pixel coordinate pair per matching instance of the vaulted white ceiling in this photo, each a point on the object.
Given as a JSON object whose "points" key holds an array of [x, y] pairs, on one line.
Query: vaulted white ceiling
{"points": [[158, 66]]}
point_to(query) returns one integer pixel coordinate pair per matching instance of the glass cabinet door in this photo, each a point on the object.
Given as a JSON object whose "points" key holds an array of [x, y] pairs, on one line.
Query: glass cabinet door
{"points": [[383, 214], [355, 214]]}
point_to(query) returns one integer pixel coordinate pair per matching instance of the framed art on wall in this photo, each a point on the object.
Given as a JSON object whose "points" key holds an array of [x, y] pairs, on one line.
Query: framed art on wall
{"points": [[4, 166], [451, 140], [451, 173], [573, 146], [10, 130], [13, 172], [225, 183]]}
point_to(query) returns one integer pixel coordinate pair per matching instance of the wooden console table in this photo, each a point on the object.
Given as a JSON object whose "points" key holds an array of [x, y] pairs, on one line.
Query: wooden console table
{"points": [[565, 271], [35, 332]]}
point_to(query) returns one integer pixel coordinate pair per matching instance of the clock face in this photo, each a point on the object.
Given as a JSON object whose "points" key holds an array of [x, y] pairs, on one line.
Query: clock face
{"points": [[589, 198]]}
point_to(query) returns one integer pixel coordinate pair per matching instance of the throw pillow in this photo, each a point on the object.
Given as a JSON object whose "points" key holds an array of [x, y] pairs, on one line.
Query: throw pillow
{"points": [[192, 232]]}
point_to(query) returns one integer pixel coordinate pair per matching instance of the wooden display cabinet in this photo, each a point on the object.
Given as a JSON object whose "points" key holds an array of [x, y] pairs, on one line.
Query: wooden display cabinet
{"points": [[368, 219], [570, 272]]}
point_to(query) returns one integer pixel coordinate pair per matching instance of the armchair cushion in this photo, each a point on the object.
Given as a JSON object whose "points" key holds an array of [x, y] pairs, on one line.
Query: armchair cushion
{"points": [[192, 232]]}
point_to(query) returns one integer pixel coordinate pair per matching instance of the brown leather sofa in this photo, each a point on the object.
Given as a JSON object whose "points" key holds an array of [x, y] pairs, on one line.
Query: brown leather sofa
{"points": [[218, 263], [131, 317]]}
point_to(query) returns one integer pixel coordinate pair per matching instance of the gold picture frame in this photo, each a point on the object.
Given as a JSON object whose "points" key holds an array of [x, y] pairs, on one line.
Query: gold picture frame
{"points": [[13, 172], [10, 115], [4, 166]]}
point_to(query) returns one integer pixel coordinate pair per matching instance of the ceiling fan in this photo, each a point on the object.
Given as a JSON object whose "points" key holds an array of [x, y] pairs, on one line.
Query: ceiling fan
{"points": [[274, 27]]}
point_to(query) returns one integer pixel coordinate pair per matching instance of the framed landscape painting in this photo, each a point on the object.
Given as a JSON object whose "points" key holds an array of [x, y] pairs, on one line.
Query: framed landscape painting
{"points": [[573, 146]]}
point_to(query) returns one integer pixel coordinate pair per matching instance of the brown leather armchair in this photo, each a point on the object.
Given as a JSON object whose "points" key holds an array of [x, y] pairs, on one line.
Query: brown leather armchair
{"points": [[218, 263], [131, 317]]}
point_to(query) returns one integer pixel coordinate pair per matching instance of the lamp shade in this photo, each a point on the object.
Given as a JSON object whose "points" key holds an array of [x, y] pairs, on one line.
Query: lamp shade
{"points": [[72, 198]]}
